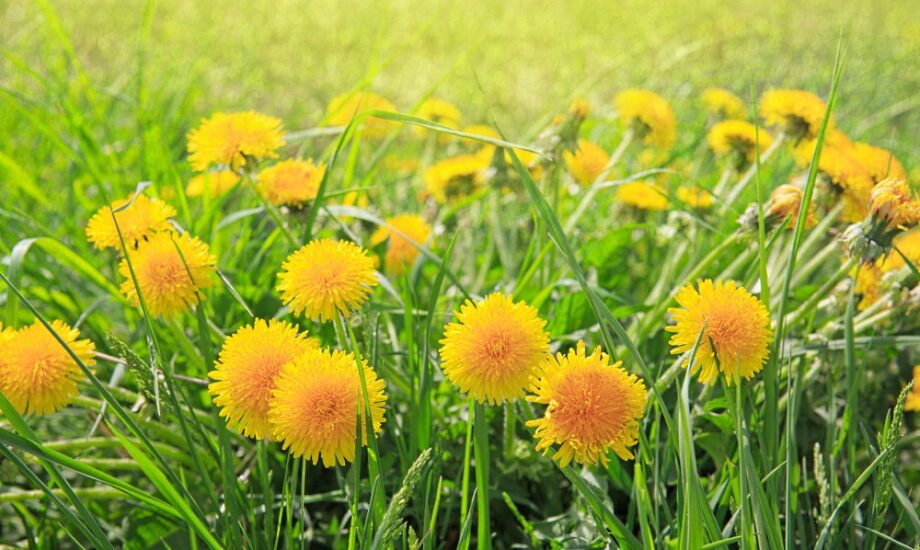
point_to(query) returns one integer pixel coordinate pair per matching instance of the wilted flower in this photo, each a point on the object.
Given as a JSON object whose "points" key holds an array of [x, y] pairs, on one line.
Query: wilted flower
{"points": [[494, 348], [228, 140], [649, 115], [592, 407]]}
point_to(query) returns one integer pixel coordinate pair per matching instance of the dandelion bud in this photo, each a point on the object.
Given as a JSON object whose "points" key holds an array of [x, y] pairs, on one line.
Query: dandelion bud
{"points": [[784, 204], [892, 210], [891, 202]]}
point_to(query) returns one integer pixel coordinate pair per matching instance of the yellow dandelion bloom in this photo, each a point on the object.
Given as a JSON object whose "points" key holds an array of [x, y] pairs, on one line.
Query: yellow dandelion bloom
{"points": [[493, 348], [644, 196], [592, 407], [912, 402], [481, 130], [849, 178], [400, 165], [211, 183], [457, 177], [880, 163], [892, 202], [346, 107], [143, 217], [722, 103], [326, 276], [738, 138], [401, 252], [246, 370], [735, 325], [440, 112], [650, 116], [317, 403], [37, 374], [169, 282], [229, 139], [796, 113], [531, 161], [804, 150], [291, 181], [694, 197], [587, 162]]}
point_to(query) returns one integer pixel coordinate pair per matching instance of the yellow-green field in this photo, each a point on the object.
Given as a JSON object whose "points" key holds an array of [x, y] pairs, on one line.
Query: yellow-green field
{"points": [[459, 274]]}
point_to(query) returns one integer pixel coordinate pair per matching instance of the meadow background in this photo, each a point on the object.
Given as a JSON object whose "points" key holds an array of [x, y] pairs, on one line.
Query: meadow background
{"points": [[99, 95]]}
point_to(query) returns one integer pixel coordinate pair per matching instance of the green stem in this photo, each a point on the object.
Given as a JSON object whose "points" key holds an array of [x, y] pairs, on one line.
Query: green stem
{"points": [[809, 305], [481, 449]]}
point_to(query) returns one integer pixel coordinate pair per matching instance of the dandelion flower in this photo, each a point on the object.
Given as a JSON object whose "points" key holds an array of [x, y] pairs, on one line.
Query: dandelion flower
{"points": [[586, 163], [211, 183], [344, 108], [849, 180], [891, 202], [722, 103], [880, 163], [291, 181], [796, 113], [144, 216], [493, 348], [694, 197], [644, 196], [401, 252], [649, 115], [229, 139], [37, 374], [738, 139], [785, 202], [457, 177], [317, 403], [592, 407], [245, 372], [169, 282], [912, 403], [735, 326], [326, 276], [440, 112]]}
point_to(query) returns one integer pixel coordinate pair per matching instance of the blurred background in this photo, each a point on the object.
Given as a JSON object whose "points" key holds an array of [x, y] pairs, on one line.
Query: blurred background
{"points": [[512, 60]]}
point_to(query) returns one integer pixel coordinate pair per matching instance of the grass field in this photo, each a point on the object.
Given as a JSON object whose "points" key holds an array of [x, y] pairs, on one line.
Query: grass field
{"points": [[128, 337]]}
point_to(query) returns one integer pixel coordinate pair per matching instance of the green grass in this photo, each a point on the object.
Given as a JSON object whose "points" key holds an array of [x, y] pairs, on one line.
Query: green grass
{"points": [[98, 96]]}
